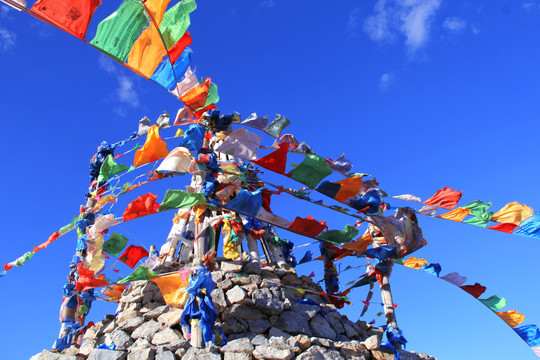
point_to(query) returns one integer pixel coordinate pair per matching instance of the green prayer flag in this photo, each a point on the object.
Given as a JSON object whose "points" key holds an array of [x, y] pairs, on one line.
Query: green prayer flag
{"points": [[477, 207], [137, 146], [276, 127], [115, 244], [480, 220], [141, 273], [213, 96], [116, 34], [83, 310], [179, 199], [109, 168], [67, 228], [27, 256], [365, 281], [175, 22], [311, 171], [494, 303], [337, 237]]}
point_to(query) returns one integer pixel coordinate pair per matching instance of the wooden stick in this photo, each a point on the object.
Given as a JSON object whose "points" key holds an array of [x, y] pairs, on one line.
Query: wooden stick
{"points": [[389, 312]]}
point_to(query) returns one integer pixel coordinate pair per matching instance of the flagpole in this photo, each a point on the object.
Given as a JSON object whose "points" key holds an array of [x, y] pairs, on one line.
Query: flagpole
{"points": [[388, 303]]}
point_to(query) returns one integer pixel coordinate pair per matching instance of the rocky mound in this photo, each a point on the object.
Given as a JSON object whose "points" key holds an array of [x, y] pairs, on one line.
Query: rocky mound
{"points": [[258, 311]]}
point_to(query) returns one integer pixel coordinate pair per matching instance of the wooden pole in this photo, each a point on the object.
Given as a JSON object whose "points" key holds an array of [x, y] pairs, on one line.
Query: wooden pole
{"points": [[386, 295], [196, 339]]}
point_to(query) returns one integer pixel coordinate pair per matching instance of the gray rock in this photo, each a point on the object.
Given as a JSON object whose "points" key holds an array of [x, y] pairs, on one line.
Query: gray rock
{"points": [[141, 343], [291, 279], [180, 353], [253, 268], [382, 355], [131, 324], [240, 345], [260, 340], [126, 315], [217, 276], [165, 355], [405, 355], [320, 353], [258, 326], [154, 314], [166, 336], [322, 342], [350, 330], [171, 318], [218, 297], [87, 347], [292, 294], [354, 349], [276, 332], [321, 328], [146, 330], [242, 312], [294, 323], [271, 353], [279, 342], [256, 279], [334, 318], [241, 280], [225, 284], [373, 342], [149, 307], [308, 311], [233, 326], [236, 294], [237, 356], [234, 266], [102, 354], [301, 340], [266, 302], [47, 355], [273, 319], [199, 354], [142, 354], [121, 339], [107, 328]]}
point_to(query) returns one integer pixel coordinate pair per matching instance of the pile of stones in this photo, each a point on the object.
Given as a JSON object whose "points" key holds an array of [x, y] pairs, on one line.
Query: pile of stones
{"points": [[258, 311]]}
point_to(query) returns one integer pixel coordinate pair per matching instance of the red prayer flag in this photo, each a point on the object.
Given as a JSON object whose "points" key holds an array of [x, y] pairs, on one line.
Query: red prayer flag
{"points": [[195, 98], [178, 48], [308, 226], [7, 267], [44, 245], [275, 161], [507, 227], [72, 16], [141, 206], [87, 279], [475, 290], [445, 198], [132, 255], [200, 112]]}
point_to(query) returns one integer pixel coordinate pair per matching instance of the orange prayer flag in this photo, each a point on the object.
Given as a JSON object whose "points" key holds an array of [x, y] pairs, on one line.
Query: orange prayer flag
{"points": [[44, 245], [414, 263], [350, 187], [195, 98], [154, 148], [114, 292], [511, 317], [513, 213], [445, 198], [361, 244], [171, 286], [458, 214], [156, 9], [147, 52]]}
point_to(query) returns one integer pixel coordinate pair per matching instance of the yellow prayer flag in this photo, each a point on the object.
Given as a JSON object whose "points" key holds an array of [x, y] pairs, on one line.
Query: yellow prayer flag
{"points": [[458, 214], [512, 213], [171, 287], [414, 263], [511, 317], [154, 148], [179, 133], [300, 290], [147, 52]]}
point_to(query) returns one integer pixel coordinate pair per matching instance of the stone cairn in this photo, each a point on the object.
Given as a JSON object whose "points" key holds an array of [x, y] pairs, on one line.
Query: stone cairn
{"points": [[257, 311]]}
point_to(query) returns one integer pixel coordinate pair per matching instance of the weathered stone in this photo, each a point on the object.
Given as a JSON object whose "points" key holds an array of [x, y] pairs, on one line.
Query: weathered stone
{"points": [[107, 328], [256, 279], [131, 324], [218, 297], [48, 355], [271, 353], [233, 326], [171, 318], [146, 330], [149, 307], [406, 355], [301, 340], [165, 355], [320, 353], [266, 302], [237, 356], [240, 345], [334, 319], [322, 342], [273, 319], [180, 353], [217, 276], [198, 354], [241, 280], [321, 328], [379, 331], [292, 295], [382, 355], [166, 336], [350, 330], [126, 315], [373, 342], [236, 294], [354, 349], [121, 339], [142, 354], [308, 311], [279, 342], [87, 347], [260, 340], [141, 343], [252, 268], [225, 284], [154, 314], [294, 323], [234, 266], [102, 354], [291, 279], [242, 312], [276, 332]]}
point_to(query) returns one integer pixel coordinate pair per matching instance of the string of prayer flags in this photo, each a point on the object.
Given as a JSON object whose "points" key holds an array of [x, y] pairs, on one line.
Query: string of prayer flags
{"points": [[115, 244], [153, 149], [454, 278], [172, 286], [54, 236], [141, 273], [494, 303], [475, 290], [480, 220], [143, 205], [511, 317], [179, 199], [20, 261], [276, 161], [445, 198], [507, 228], [308, 226], [73, 17], [311, 171], [458, 214], [513, 213], [132, 255], [529, 333], [167, 75]]}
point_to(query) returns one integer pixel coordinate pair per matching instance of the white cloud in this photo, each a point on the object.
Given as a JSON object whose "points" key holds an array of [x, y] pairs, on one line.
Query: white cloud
{"points": [[353, 22], [4, 12], [106, 64], [385, 81], [126, 91], [454, 24], [532, 6], [7, 39], [409, 18]]}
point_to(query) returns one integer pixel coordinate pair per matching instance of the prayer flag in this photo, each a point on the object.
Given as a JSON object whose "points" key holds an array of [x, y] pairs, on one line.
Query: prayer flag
{"points": [[115, 244], [513, 213], [458, 214], [179, 199], [140, 273], [154, 148], [414, 263], [311, 171], [445, 198], [511, 317], [44, 245], [475, 290], [308, 226], [132, 255], [172, 286], [275, 161], [141, 206], [494, 303], [339, 236]]}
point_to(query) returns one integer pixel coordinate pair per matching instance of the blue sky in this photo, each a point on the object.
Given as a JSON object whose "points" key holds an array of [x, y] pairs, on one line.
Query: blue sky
{"points": [[420, 93]]}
